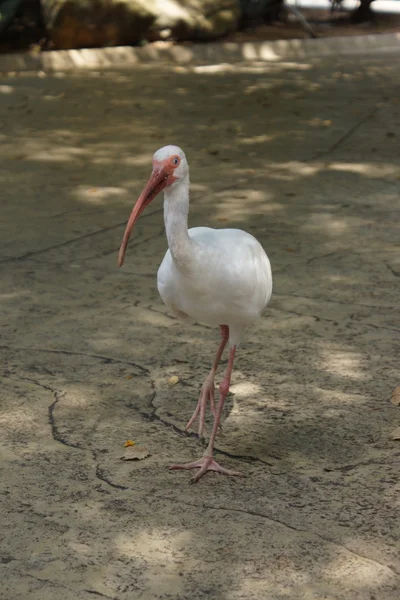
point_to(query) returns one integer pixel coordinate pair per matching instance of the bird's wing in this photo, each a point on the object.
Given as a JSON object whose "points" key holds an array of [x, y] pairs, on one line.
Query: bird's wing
{"points": [[229, 281], [235, 268]]}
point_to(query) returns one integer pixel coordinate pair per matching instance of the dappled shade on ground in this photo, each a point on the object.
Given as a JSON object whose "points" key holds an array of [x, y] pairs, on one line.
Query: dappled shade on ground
{"points": [[302, 155]]}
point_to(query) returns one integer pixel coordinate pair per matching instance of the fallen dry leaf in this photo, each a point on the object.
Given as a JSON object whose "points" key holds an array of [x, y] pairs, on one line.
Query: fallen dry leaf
{"points": [[173, 380], [327, 123], [135, 453], [395, 399], [129, 443], [289, 250], [395, 435], [129, 377]]}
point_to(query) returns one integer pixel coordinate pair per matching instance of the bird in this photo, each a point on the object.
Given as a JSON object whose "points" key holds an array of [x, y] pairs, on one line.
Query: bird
{"points": [[219, 277]]}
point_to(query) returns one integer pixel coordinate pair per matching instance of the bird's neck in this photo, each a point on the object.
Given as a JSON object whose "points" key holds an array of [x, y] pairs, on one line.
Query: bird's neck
{"points": [[176, 210]]}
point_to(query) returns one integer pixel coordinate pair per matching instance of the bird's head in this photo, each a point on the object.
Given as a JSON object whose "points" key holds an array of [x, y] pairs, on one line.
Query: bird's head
{"points": [[170, 167], [171, 160]]}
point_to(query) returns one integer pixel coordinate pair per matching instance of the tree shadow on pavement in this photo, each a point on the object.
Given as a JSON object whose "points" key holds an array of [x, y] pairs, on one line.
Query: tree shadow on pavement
{"points": [[304, 157]]}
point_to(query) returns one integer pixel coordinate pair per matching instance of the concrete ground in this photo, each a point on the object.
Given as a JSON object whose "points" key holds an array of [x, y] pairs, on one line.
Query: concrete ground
{"points": [[304, 155]]}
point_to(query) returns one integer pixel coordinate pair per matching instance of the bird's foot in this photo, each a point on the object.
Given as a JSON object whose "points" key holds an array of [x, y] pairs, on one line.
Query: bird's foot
{"points": [[206, 395], [206, 463]]}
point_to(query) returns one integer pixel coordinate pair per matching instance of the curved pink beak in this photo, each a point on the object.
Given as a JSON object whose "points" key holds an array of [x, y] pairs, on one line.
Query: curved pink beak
{"points": [[157, 182]]}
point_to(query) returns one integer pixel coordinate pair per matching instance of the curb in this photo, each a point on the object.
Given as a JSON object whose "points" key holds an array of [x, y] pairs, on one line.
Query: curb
{"points": [[226, 52]]}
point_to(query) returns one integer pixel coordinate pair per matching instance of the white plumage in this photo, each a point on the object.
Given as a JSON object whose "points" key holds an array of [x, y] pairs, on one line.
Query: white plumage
{"points": [[220, 277], [229, 283]]}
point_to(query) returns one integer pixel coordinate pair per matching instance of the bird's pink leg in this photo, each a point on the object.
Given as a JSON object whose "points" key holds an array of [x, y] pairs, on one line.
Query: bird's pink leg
{"points": [[207, 462], [207, 391]]}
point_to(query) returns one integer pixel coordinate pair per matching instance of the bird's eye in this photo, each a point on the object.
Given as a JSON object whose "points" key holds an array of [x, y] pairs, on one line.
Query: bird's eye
{"points": [[175, 160]]}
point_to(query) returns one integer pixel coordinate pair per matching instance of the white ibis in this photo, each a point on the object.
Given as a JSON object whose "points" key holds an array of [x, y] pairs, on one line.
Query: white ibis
{"points": [[215, 276]]}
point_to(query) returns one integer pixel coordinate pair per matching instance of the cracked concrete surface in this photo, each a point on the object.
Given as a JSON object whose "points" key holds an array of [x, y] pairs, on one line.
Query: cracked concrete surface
{"points": [[304, 155]]}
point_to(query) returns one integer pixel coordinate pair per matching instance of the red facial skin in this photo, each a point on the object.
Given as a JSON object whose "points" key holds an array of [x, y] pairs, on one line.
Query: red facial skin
{"points": [[161, 177]]}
